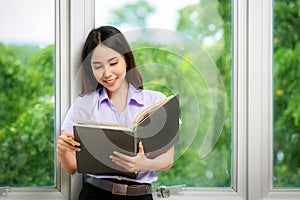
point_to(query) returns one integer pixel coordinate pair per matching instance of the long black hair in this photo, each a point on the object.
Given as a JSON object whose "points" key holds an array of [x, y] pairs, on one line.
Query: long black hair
{"points": [[110, 37]]}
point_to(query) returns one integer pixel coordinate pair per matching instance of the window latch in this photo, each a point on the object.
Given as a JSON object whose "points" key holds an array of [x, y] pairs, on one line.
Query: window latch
{"points": [[166, 191], [4, 190]]}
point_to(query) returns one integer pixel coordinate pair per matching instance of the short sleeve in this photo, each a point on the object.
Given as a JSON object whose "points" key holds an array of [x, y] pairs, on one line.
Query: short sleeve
{"points": [[82, 108]]}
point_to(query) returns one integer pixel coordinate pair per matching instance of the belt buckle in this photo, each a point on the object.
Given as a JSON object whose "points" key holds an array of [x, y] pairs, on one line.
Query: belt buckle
{"points": [[119, 189]]}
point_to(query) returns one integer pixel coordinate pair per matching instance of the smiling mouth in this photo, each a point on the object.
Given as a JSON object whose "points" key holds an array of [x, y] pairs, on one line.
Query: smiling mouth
{"points": [[111, 81]]}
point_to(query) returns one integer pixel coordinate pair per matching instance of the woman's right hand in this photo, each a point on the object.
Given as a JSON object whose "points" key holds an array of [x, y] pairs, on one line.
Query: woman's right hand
{"points": [[66, 143], [66, 148]]}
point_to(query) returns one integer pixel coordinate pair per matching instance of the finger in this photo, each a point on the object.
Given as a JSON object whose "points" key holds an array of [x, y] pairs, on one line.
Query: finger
{"points": [[124, 164], [69, 134], [64, 148], [141, 147], [121, 164], [122, 156], [63, 145], [69, 139], [118, 161], [126, 161], [73, 142]]}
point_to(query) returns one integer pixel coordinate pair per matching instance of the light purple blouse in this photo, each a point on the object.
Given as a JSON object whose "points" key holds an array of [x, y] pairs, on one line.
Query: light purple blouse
{"points": [[97, 106]]}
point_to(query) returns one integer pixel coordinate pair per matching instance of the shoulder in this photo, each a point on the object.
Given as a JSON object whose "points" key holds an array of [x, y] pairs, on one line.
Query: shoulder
{"points": [[82, 107], [82, 100], [86, 103]]}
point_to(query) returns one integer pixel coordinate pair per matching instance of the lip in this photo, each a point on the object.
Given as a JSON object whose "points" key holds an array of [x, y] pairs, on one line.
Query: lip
{"points": [[111, 82]]}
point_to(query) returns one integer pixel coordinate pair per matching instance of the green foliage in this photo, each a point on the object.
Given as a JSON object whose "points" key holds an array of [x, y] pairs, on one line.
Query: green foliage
{"points": [[165, 71], [209, 24], [132, 14], [24, 52], [286, 20], [287, 117], [27, 99], [27, 131], [204, 21], [11, 72], [286, 93]]}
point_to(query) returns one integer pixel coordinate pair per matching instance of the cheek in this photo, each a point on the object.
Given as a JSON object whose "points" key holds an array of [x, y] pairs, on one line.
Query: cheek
{"points": [[97, 74], [121, 71]]}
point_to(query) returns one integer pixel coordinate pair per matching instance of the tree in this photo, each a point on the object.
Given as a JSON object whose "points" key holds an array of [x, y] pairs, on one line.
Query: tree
{"points": [[286, 93], [132, 14], [209, 23], [27, 133]]}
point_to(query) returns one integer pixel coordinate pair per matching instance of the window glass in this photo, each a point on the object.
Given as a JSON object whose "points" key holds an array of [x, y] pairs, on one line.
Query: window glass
{"points": [[286, 93], [185, 47], [27, 93]]}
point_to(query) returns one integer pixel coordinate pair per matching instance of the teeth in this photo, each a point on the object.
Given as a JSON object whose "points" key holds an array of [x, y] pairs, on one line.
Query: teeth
{"points": [[111, 81]]}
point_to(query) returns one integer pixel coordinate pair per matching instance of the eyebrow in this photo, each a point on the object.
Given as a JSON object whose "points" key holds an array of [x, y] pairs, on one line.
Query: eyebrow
{"points": [[98, 62]]}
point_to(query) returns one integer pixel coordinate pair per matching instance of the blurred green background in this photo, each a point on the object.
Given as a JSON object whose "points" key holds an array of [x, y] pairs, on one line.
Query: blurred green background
{"points": [[27, 97]]}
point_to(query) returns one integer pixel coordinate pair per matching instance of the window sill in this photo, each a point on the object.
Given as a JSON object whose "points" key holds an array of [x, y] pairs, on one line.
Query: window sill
{"points": [[282, 194], [205, 194], [34, 195]]}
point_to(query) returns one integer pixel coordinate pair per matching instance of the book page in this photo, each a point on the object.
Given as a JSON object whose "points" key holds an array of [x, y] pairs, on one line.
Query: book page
{"points": [[145, 112], [101, 124]]}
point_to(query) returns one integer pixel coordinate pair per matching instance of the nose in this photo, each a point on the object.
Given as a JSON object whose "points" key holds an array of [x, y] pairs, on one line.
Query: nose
{"points": [[107, 71]]}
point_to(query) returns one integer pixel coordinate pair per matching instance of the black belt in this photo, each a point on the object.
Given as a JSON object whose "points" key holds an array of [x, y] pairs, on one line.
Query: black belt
{"points": [[120, 188]]}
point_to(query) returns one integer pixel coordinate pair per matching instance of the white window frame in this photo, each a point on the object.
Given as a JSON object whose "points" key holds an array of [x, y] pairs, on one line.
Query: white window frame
{"points": [[252, 102], [260, 104], [71, 24], [60, 192]]}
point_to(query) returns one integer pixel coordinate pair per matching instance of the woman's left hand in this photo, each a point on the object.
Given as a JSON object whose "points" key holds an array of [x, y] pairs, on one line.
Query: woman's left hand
{"points": [[131, 164]]}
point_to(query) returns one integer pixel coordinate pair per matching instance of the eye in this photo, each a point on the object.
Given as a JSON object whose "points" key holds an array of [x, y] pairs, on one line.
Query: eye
{"points": [[113, 63], [98, 67]]}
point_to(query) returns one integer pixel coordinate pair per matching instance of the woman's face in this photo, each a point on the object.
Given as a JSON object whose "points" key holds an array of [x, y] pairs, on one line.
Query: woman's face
{"points": [[109, 68]]}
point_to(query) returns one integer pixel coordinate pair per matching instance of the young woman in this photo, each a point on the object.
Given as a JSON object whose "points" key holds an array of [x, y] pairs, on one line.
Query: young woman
{"points": [[112, 92]]}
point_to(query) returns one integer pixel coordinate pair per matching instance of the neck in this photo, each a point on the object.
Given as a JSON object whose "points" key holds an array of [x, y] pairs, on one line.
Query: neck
{"points": [[120, 93], [119, 97]]}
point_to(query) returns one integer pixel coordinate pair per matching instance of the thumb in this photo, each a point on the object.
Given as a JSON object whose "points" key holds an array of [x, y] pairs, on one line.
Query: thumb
{"points": [[141, 148]]}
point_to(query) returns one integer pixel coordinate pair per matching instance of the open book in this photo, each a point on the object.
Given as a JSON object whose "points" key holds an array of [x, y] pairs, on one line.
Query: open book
{"points": [[156, 126]]}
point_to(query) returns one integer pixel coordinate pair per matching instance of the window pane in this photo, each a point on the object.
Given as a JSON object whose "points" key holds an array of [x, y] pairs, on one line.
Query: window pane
{"points": [[187, 50], [286, 93], [27, 93]]}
